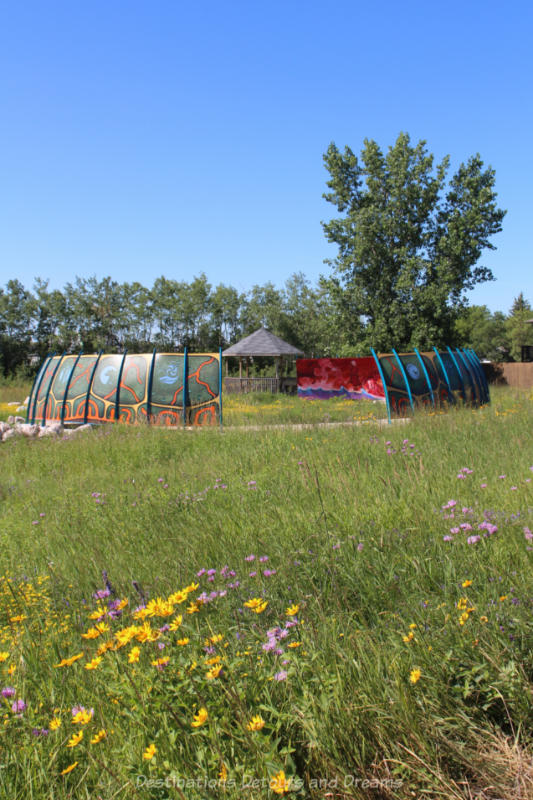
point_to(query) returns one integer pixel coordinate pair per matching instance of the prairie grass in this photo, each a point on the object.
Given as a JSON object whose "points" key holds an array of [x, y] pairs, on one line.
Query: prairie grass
{"points": [[355, 603]]}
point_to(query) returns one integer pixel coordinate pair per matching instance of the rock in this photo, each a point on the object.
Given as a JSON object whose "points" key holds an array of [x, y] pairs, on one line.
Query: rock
{"points": [[27, 429], [4, 426], [11, 419], [21, 409], [47, 431], [87, 427], [54, 425], [9, 434], [14, 403]]}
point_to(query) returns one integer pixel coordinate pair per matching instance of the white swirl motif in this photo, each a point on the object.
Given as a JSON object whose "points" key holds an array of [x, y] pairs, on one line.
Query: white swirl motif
{"points": [[171, 375]]}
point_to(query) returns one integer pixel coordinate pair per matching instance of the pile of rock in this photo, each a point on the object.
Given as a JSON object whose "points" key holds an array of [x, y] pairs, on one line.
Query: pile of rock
{"points": [[17, 426]]}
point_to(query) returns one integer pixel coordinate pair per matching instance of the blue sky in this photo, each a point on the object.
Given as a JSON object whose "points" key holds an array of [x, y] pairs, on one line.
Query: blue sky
{"points": [[140, 139]]}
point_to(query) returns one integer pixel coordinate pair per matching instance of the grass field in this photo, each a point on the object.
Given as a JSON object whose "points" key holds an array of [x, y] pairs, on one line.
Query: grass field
{"points": [[325, 613]]}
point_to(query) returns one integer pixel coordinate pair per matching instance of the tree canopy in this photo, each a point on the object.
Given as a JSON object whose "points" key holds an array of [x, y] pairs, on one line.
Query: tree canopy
{"points": [[409, 241]]}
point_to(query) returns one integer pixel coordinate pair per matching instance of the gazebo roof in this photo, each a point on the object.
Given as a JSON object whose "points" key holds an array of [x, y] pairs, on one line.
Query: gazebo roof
{"points": [[262, 343]]}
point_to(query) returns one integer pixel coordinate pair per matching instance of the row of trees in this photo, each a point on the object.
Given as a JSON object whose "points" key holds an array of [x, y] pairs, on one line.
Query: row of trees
{"points": [[92, 314], [409, 241]]}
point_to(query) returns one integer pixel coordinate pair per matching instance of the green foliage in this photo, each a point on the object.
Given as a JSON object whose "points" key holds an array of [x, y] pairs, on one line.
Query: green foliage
{"points": [[408, 242], [486, 333], [518, 330]]}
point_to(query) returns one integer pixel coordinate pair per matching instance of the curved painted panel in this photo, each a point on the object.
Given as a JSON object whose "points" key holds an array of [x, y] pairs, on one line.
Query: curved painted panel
{"points": [[91, 393]]}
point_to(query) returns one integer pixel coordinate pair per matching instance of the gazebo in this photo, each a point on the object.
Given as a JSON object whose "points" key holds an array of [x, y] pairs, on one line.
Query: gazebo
{"points": [[261, 343]]}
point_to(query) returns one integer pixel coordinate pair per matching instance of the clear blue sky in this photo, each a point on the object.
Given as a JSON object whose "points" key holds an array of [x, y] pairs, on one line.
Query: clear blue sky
{"points": [[161, 137]]}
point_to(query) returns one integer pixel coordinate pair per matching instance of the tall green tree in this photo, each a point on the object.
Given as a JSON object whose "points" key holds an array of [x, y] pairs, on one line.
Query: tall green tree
{"points": [[484, 332], [519, 331], [16, 318], [409, 241]]}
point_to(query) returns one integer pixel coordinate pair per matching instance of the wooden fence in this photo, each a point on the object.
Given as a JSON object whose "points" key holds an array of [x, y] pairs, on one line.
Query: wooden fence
{"points": [[518, 375], [287, 385]]}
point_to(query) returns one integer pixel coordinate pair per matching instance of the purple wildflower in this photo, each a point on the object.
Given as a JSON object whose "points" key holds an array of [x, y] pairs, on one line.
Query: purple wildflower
{"points": [[18, 707], [8, 691], [473, 539], [281, 675], [250, 557], [269, 572], [262, 559]]}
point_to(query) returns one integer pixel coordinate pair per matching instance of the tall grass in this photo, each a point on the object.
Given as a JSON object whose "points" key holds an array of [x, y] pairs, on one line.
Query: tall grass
{"points": [[406, 668]]}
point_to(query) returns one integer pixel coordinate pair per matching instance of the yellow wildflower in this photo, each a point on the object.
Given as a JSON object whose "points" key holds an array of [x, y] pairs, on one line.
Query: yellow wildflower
{"points": [[503, 597], [466, 584], [75, 739], [192, 587], [125, 635], [141, 613], [159, 608], [104, 647], [178, 597], [415, 675], [199, 718], [4, 655], [67, 662], [160, 662], [82, 717], [484, 618], [99, 736], [94, 633], [176, 622], [100, 612], [213, 660], [254, 602], [294, 644], [123, 603], [279, 783], [134, 654], [150, 752], [55, 723], [147, 634], [70, 768], [193, 608], [256, 723], [18, 618], [183, 642], [12, 669], [291, 611], [214, 672], [93, 664], [223, 774], [409, 637]]}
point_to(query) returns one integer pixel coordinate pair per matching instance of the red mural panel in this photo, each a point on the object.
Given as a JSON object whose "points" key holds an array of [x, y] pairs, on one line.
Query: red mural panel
{"points": [[352, 378]]}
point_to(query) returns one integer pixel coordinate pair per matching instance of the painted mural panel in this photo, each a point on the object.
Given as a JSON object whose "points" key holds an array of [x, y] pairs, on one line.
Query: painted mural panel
{"points": [[352, 378], [76, 400], [396, 385], [203, 389], [84, 389], [133, 387], [426, 380]]}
